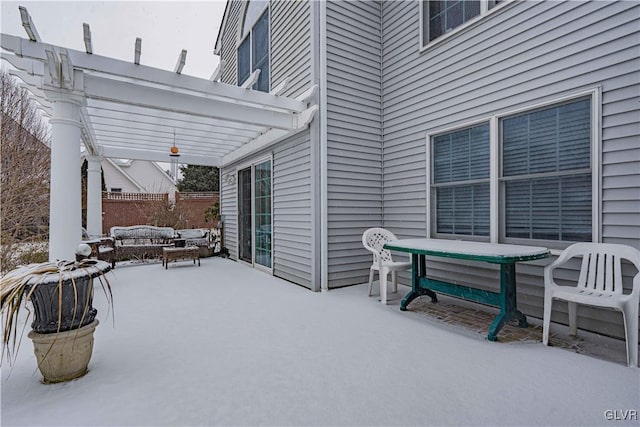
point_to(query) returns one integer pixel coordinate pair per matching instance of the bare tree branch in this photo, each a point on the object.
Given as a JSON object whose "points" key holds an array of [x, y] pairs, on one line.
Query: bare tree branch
{"points": [[24, 171]]}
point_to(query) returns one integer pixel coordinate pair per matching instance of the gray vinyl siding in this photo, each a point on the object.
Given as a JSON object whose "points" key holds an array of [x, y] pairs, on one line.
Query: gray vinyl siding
{"points": [[229, 209], [291, 184], [354, 136], [290, 57], [522, 54], [292, 210], [291, 45], [229, 43]]}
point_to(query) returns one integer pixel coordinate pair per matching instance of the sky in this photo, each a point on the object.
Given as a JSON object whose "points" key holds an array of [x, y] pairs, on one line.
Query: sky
{"points": [[225, 344], [165, 28]]}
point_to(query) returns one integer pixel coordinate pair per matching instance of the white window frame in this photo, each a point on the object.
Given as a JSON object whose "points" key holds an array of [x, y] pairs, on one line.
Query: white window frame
{"points": [[495, 153], [244, 17], [429, 173], [251, 164], [484, 11]]}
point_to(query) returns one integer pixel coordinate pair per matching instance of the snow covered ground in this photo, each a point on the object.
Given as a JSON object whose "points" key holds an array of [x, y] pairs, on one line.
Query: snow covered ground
{"points": [[223, 344]]}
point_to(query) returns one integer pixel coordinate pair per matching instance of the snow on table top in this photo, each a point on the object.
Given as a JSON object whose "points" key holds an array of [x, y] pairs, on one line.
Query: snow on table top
{"points": [[467, 248]]}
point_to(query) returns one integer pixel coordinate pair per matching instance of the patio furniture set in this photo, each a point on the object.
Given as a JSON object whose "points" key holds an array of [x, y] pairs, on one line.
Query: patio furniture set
{"points": [[146, 241], [599, 283]]}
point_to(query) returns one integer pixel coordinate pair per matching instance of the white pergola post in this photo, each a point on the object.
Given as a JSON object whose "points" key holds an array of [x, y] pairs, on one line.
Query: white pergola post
{"points": [[94, 196], [65, 208]]}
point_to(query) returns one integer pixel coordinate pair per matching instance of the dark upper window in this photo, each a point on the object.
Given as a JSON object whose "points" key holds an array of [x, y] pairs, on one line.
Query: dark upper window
{"points": [[253, 51], [439, 17]]}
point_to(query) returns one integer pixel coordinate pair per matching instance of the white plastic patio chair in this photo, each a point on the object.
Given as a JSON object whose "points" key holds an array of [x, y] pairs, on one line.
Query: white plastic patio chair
{"points": [[599, 284], [373, 240]]}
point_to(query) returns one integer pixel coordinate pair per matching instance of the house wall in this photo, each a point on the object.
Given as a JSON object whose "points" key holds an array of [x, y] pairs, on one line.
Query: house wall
{"points": [[521, 54], [291, 185], [290, 50], [291, 45], [113, 178], [384, 96], [354, 136], [291, 210], [150, 176], [145, 173]]}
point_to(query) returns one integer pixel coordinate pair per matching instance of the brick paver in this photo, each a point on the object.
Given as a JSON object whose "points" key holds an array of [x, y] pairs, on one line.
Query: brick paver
{"points": [[477, 318]]}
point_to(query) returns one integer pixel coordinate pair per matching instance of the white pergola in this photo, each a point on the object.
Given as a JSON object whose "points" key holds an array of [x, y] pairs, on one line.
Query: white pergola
{"points": [[101, 107]]}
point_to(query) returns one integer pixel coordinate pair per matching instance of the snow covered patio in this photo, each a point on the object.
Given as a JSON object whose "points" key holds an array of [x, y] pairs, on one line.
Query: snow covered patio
{"points": [[223, 344]]}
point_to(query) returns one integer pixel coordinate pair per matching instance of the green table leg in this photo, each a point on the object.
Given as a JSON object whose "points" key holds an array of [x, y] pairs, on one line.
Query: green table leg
{"points": [[418, 270], [508, 302]]}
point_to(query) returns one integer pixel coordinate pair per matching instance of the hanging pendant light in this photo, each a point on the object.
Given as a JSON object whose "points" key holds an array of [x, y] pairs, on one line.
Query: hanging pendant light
{"points": [[174, 153]]}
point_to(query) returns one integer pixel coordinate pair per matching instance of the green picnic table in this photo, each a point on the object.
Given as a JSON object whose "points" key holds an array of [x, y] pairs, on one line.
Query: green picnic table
{"points": [[495, 253]]}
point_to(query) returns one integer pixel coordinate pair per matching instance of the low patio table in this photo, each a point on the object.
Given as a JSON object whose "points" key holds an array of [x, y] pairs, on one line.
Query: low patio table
{"points": [[495, 253], [171, 253]]}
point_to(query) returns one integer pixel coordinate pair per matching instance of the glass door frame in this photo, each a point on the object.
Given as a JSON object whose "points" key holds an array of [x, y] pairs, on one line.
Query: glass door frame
{"points": [[252, 164]]}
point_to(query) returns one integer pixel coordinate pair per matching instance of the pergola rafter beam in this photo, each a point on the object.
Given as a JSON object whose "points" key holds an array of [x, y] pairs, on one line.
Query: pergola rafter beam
{"points": [[33, 85], [29, 26], [166, 140], [134, 154], [167, 125], [162, 134], [107, 109], [164, 100], [250, 81], [159, 152], [137, 51], [33, 68], [284, 85], [182, 59], [91, 142], [87, 38], [217, 73]]}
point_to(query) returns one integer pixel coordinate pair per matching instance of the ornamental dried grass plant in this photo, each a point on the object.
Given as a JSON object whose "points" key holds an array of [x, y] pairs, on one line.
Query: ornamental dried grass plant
{"points": [[17, 287]]}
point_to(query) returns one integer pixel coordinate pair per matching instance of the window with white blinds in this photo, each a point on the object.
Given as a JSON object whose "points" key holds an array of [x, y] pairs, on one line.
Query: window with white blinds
{"points": [[546, 170], [461, 181], [543, 177]]}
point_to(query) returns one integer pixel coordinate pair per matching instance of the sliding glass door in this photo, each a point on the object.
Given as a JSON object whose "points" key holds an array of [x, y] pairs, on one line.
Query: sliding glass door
{"points": [[262, 187], [254, 214], [244, 215]]}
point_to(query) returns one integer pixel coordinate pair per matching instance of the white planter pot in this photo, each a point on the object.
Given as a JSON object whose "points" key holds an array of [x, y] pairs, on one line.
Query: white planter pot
{"points": [[64, 356]]}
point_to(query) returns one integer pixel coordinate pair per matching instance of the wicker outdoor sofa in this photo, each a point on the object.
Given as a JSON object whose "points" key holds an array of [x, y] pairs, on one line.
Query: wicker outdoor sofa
{"points": [[197, 237], [136, 242]]}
